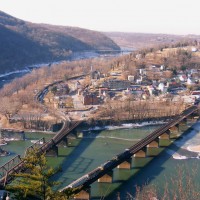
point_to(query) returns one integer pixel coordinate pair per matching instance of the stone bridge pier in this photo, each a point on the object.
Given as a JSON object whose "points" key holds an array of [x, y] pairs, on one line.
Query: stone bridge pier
{"points": [[106, 178], [174, 131], [53, 152], [141, 153], [65, 142], [165, 136], [164, 139], [126, 164], [152, 147], [183, 125], [192, 118], [84, 194], [153, 144]]}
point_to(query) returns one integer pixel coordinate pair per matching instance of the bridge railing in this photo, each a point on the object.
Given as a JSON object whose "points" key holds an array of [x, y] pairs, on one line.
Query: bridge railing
{"points": [[7, 167]]}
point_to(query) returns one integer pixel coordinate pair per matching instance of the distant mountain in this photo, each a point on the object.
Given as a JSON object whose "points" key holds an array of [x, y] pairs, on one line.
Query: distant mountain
{"points": [[24, 43], [143, 40]]}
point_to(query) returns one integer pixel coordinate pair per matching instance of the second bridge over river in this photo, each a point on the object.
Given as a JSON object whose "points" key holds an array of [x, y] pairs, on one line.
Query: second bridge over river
{"points": [[104, 172]]}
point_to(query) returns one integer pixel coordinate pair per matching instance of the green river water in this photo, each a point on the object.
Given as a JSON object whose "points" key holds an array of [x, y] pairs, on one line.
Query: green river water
{"points": [[96, 147]]}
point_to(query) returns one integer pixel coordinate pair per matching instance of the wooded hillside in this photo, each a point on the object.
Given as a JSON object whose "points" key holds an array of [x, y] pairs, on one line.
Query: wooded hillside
{"points": [[24, 43]]}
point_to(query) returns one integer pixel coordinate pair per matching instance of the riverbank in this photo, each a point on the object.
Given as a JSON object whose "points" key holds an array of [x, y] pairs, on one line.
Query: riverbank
{"points": [[126, 125], [108, 123]]}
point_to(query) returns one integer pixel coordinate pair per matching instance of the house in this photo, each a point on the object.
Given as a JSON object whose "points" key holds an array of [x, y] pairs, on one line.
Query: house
{"points": [[162, 87], [150, 89], [190, 99], [138, 56], [193, 71], [114, 73], [115, 84], [142, 71], [95, 75], [196, 92], [62, 89], [162, 67], [131, 78], [183, 78], [139, 80], [103, 91], [194, 49], [90, 99], [190, 81], [78, 85]]}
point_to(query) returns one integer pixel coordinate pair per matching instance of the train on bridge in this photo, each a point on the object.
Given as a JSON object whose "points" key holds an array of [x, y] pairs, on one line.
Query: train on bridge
{"points": [[118, 159]]}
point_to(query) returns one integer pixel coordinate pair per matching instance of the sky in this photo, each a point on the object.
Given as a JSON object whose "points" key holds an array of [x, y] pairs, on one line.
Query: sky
{"points": [[147, 16]]}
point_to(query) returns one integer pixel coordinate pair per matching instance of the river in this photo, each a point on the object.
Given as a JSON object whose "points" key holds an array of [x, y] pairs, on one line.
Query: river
{"points": [[9, 76], [95, 147]]}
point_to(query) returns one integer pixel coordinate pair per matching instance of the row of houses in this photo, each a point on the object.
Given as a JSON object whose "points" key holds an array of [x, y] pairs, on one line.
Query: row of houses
{"points": [[139, 86]]}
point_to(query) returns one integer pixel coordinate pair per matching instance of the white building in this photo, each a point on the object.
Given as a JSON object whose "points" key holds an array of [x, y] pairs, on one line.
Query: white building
{"points": [[162, 88], [190, 81], [162, 67], [194, 49], [131, 78], [183, 78]]}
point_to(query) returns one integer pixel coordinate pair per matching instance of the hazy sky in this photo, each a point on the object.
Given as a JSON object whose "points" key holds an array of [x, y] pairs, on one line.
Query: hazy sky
{"points": [[153, 16]]}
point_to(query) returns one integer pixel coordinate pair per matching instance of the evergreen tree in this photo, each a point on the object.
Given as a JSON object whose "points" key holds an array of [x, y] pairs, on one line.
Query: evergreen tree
{"points": [[35, 182]]}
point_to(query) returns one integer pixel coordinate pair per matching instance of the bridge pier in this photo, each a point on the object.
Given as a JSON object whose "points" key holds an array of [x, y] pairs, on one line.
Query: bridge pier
{"points": [[164, 139], [126, 164], [53, 152], [165, 136], [153, 144], [107, 178], [183, 125], [141, 153], [79, 134], [74, 134], [192, 118], [152, 148], [64, 142], [174, 131], [84, 194]]}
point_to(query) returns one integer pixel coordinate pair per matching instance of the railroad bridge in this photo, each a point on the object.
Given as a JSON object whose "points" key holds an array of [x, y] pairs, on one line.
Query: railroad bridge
{"points": [[104, 172], [16, 164]]}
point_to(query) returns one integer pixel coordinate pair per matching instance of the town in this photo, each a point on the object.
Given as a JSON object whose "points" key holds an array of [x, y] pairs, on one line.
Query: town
{"points": [[89, 96], [133, 85]]}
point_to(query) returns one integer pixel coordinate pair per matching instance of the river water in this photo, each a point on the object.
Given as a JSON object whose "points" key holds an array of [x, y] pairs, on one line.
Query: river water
{"points": [[93, 148]]}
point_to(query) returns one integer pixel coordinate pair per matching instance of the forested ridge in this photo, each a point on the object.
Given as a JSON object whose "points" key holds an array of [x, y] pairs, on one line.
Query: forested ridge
{"points": [[23, 43]]}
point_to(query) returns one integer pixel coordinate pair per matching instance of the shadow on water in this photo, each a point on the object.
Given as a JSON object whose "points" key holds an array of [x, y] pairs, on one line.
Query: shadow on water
{"points": [[74, 162], [143, 171], [145, 174]]}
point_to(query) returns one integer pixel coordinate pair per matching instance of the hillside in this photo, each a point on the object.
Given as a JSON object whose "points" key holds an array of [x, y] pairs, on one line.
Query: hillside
{"points": [[24, 43], [143, 40]]}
